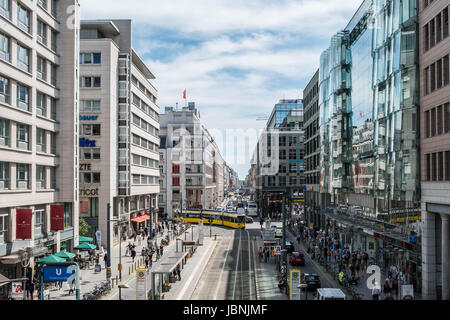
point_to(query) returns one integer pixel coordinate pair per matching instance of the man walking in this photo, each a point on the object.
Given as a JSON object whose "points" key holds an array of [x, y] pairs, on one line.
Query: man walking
{"points": [[179, 272]]}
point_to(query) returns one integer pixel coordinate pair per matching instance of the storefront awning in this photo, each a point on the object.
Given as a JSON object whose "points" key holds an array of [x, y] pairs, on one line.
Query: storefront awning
{"points": [[12, 259], [140, 219]]}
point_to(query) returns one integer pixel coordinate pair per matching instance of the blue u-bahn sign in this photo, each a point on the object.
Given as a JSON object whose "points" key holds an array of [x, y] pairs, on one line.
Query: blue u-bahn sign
{"points": [[56, 274]]}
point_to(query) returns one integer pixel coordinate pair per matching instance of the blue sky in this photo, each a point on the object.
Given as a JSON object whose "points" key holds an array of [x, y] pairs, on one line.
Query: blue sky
{"points": [[235, 58]]}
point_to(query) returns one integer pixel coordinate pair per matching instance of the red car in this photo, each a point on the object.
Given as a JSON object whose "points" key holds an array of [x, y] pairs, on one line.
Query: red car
{"points": [[297, 259]]}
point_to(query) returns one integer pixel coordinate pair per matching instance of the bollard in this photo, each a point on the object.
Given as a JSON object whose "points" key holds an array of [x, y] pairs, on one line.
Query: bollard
{"points": [[129, 270]]}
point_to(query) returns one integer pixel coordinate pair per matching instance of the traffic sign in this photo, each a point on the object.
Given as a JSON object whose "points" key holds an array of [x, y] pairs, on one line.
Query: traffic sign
{"points": [[17, 291], [57, 274]]}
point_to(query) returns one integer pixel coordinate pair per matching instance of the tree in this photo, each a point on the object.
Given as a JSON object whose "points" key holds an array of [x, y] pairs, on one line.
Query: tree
{"points": [[83, 227]]}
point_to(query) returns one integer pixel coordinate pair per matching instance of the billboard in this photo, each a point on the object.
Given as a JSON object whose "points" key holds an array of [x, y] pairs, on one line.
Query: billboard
{"points": [[23, 223], [57, 217]]}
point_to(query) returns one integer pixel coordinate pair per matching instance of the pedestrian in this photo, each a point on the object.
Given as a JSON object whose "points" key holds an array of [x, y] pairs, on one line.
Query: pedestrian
{"points": [[72, 287], [394, 289], [179, 272], [340, 263], [31, 289], [105, 258], [386, 288], [146, 262], [357, 268], [133, 253], [376, 290], [161, 249], [266, 254]]}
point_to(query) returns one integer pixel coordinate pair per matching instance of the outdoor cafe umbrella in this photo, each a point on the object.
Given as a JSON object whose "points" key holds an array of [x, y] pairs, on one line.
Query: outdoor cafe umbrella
{"points": [[85, 246], [85, 239], [52, 258], [65, 255]]}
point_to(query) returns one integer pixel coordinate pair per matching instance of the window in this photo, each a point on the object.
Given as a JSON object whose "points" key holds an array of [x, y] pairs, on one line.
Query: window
{"points": [[439, 74], [41, 104], [53, 74], [433, 122], [90, 177], [52, 143], [39, 218], [4, 133], [433, 167], [53, 178], [3, 224], [53, 109], [5, 8], [43, 4], [22, 136], [23, 18], [42, 32], [41, 177], [292, 154], [445, 22], [4, 47], [446, 70], [54, 34], [90, 58], [90, 106], [439, 120], [292, 181], [292, 168], [4, 175], [23, 58], [96, 177], [428, 167], [22, 176], [90, 129], [23, 99], [447, 165], [441, 166], [4, 90], [447, 117], [90, 82], [41, 140], [90, 153]]}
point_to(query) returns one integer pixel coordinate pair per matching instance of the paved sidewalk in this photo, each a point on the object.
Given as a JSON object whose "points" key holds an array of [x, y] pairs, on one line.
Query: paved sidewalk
{"points": [[267, 277], [89, 278]]}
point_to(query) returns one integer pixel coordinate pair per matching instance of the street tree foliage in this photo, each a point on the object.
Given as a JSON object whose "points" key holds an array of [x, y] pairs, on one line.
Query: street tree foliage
{"points": [[83, 227]]}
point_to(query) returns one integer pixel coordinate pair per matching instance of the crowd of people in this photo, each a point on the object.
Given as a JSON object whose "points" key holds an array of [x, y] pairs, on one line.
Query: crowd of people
{"points": [[350, 265]]}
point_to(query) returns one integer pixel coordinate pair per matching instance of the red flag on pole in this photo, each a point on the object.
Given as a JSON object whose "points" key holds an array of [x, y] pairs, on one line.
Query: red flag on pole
{"points": [[23, 223], [184, 94]]}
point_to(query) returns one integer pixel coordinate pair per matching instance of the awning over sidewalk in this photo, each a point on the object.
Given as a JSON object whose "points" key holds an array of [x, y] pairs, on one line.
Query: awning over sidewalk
{"points": [[140, 219], [12, 259], [3, 278]]}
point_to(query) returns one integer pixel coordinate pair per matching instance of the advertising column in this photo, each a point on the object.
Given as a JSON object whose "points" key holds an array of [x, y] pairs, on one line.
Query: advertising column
{"points": [[141, 284]]}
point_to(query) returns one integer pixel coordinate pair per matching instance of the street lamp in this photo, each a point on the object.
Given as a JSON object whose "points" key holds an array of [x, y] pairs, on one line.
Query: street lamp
{"points": [[25, 256]]}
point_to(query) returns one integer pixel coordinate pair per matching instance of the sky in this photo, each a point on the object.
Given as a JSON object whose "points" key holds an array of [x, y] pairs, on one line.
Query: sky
{"points": [[235, 58]]}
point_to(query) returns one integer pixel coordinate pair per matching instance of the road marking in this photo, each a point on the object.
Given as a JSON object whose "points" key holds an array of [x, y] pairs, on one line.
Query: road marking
{"points": [[237, 264], [256, 273], [221, 273], [249, 264]]}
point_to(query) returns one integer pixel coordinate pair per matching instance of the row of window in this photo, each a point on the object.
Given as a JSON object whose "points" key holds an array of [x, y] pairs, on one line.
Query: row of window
{"points": [[144, 180], [24, 16], [312, 162], [89, 177], [45, 105], [23, 176], [144, 90], [90, 129], [312, 93], [144, 107], [90, 106], [143, 143], [90, 82], [292, 154], [313, 179], [23, 138], [437, 120], [144, 125], [90, 58], [437, 75], [90, 154], [271, 181], [293, 168], [24, 60], [145, 162], [436, 30], [437, 166]]}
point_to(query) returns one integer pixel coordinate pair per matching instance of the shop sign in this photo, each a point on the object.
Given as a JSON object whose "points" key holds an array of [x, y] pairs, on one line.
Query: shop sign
{"points": [[23, 223], [57, 217], [89, 118], [86, 143], [17, 291], [89, 192], [56, 274], [85, 167], [84, 207]]}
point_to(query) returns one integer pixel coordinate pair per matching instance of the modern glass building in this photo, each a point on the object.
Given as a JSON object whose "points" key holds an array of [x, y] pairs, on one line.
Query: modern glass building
{"points": [[368, 110]]}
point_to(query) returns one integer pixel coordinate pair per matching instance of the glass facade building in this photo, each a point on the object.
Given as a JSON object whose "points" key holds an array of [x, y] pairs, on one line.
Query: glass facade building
{"points": [[369, 102]]}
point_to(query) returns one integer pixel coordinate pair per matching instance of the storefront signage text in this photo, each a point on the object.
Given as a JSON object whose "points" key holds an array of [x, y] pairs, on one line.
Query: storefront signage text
{"points": [[85, 167], [87, 143], [88, 118], [89, 192]]}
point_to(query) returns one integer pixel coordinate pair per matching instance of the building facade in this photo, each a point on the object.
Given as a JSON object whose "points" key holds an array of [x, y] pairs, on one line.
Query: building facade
{"points": [[312, 150], [369, 132], [38, 130], [434, 45], [279, 160], [119, 125], [191, 166]]}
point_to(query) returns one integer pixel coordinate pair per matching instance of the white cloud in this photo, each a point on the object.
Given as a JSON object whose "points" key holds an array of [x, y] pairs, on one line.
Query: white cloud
{"points": [[236, 58]]}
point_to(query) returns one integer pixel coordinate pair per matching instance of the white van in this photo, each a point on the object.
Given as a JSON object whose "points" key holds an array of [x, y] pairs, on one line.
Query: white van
{"points": [[252, 209], [330, 294]]}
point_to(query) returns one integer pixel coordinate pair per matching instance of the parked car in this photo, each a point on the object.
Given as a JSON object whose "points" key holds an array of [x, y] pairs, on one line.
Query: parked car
{"points": [[289, 247], [297, 259], [312, 280]]}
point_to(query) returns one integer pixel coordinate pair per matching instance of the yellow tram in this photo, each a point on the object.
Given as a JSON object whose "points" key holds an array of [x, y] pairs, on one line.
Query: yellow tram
{"points": [[235, 221]]}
